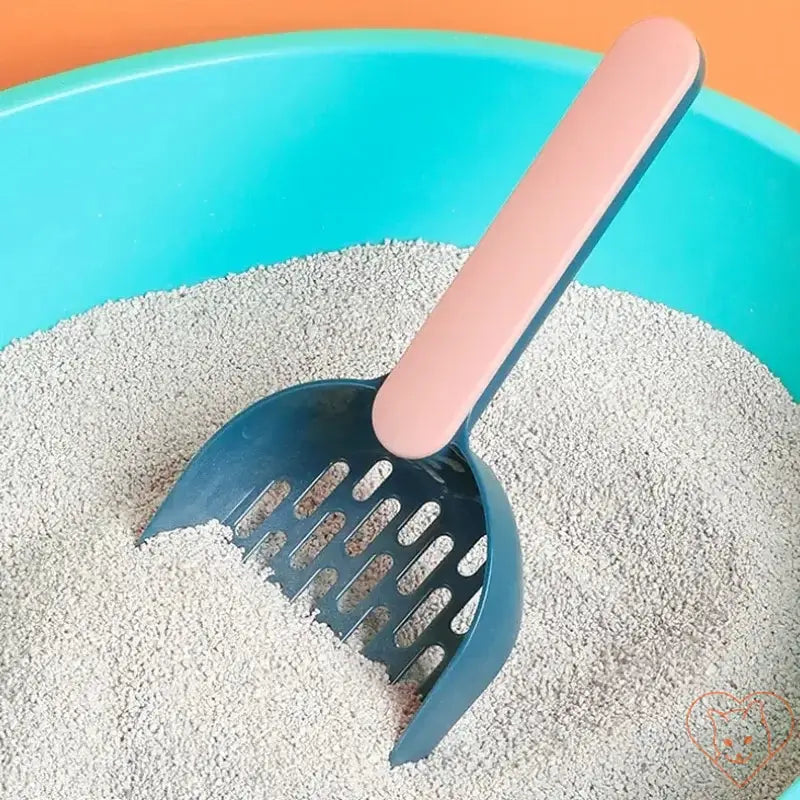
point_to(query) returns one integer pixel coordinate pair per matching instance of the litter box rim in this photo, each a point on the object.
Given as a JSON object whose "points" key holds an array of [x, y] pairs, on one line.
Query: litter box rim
{"points": [[720, 108], [728, 182]]}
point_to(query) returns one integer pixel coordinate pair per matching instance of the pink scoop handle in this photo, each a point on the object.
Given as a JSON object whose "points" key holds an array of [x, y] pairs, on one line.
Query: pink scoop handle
{"points": [[551, 213]]}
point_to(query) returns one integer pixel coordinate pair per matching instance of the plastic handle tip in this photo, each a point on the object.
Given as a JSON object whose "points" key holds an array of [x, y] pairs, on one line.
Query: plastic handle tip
{"points": [[552, 212]]}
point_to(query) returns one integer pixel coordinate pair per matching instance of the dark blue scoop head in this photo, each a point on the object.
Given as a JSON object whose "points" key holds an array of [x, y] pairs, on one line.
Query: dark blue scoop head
{"points": [[394, 564]]}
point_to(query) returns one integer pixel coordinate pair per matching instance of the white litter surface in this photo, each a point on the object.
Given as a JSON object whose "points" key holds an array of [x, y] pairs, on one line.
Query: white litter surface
{"points": [[654, 467]]}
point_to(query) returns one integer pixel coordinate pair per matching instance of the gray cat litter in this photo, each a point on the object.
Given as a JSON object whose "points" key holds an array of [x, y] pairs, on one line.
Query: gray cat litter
{"points": [[654, 468]]}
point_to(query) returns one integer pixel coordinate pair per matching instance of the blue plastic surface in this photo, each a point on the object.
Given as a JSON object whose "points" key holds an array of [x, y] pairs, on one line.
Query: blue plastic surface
{"points": [[793, 792], [293, 437], [170, 168]]}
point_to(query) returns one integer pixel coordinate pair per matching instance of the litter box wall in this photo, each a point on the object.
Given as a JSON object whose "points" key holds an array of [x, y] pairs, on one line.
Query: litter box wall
{"points": [[174, 167]]}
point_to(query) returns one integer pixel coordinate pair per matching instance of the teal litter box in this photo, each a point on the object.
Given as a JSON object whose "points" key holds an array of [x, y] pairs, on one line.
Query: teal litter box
{"points": [[170, 168], [175, 167]]}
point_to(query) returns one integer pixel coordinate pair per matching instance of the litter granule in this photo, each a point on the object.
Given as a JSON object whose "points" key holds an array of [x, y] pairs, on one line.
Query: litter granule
{"points": [[654, 469]]}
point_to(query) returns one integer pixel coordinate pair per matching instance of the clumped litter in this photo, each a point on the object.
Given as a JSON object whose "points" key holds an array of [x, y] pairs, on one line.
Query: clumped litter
{"points": [[653, 465]]}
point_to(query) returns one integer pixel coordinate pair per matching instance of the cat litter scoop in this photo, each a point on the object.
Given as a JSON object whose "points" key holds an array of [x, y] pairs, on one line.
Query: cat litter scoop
{"points": [[288, 472]]}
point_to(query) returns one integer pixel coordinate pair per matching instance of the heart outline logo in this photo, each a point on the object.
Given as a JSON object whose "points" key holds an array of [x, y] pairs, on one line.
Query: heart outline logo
{"points": [[758, 712]]}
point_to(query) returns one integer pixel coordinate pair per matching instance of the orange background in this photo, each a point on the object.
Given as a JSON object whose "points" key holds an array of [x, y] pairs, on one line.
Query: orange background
{"points": [[751, 45]]}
